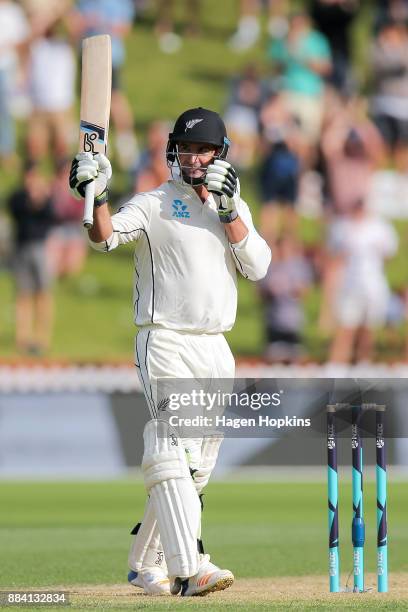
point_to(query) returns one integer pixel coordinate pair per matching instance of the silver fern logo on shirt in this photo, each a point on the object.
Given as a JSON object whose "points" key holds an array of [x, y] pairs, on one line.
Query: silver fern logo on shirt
{"points": [[190, 124]]}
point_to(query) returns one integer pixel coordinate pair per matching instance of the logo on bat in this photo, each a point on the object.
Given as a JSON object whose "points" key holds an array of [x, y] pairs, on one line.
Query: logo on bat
{"points": [[89, 142], [92, 134]]}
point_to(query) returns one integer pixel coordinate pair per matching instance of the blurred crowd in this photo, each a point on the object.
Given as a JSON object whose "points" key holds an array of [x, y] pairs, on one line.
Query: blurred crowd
{"points": [[321, 143], [40, 43]]}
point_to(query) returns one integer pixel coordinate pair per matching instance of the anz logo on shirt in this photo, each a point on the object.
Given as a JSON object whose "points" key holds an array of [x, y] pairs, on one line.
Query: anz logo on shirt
{"points": [[180, 210]]}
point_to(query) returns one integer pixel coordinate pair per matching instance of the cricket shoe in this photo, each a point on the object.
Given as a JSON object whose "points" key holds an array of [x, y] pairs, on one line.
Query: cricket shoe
{"points": [[209, 578], [152, 580]]}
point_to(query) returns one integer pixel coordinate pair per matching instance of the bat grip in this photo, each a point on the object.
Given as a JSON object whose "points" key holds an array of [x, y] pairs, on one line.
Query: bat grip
{"points": [[89, 205]]}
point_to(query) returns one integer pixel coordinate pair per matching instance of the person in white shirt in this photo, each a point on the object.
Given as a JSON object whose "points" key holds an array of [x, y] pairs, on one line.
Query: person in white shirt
{"points": [[360, 243], [191, 236], [52, 100]]}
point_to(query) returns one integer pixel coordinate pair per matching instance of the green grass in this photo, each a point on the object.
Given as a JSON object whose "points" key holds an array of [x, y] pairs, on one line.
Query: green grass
{"points": [[78, 533], [65, 534]]}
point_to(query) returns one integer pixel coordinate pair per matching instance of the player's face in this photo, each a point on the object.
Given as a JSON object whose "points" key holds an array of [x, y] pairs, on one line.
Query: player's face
{"points": [[195, 158]]}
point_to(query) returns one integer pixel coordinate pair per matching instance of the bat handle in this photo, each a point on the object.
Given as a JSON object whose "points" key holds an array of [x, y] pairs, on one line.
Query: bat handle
{"points": [[89, 205]]}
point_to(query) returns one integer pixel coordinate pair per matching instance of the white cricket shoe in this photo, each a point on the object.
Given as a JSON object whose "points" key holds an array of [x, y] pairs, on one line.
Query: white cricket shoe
{"points": [[152, 580], [209, 578]]}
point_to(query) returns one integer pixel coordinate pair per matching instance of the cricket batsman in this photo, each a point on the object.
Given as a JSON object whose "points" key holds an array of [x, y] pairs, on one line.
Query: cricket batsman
{"points": [[191, 236]]}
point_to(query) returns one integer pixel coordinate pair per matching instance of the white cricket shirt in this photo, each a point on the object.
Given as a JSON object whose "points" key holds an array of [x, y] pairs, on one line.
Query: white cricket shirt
{"points": [[185, 267]]}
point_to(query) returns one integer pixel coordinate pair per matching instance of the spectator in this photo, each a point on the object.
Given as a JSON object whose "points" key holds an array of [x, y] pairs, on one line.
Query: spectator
{"points": [[247, 94], [14, 34], [304, 57], [42, 13], [31, 210], [279, 169], [169, 40], [282, 290], [360, 243], [152, 170], [389, 101], [334, 19], [351, 147], [397, 10], [249, 26], [5, 239], [52, 99], [67, 246], [91, 17]]}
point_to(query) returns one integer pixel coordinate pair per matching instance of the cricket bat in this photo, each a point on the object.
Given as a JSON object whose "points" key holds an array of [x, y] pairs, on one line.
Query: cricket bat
{"points": [[96, 88]]}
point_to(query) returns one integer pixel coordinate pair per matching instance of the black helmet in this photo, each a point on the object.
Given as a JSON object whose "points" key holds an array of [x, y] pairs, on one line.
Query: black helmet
{"points": [[198, 125]]}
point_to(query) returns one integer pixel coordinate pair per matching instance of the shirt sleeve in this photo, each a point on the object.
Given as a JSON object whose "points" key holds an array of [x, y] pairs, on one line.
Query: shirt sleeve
{"points": [[130, 222], [252, 255]]}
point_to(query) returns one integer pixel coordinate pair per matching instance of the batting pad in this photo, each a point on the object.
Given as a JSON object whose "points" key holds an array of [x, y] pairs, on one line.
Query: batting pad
{"points": [[173, 496], [146, 549]]}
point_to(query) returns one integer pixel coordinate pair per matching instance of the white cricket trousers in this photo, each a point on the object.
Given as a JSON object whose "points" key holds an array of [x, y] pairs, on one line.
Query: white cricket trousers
{"points": [[167, 354], [164, 353]]}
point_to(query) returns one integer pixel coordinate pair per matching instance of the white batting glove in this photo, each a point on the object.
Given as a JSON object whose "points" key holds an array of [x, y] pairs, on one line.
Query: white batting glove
{"points": [[86, 168], [222, 180]]}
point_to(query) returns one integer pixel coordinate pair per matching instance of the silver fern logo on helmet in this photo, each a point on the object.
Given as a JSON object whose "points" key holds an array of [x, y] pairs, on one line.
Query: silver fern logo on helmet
{"points": [[190, 124]]}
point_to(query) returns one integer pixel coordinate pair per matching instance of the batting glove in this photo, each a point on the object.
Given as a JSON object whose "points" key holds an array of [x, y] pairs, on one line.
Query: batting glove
{"points": [[86, 168], [222, 179]]}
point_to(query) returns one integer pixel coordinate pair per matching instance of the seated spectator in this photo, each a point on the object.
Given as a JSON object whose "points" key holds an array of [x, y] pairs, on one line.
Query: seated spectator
{"points": [[303, 55], [360, 243], [31, 210], [389, 101], [282, 290], [67, 246]]}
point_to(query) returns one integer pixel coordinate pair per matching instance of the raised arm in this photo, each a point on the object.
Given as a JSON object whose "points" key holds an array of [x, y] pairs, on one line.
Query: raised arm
{"points": [[251, 254], [108, 231], [102, 228]]}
